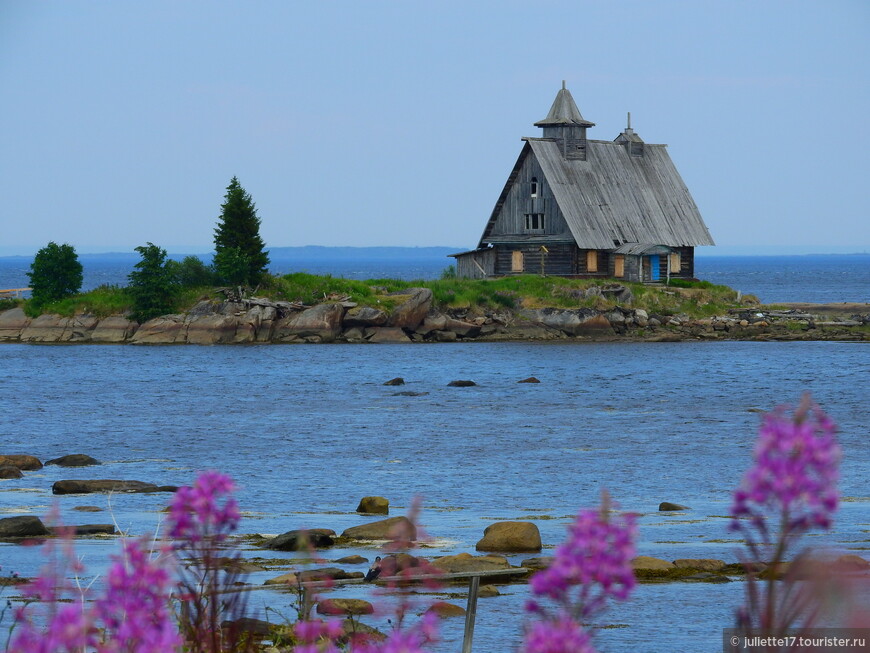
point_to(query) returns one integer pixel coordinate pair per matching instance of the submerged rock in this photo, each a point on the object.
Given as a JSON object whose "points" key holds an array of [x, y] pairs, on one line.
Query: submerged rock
{"points": [[397, 381], [667, 506], [461, 383], [10, 471], [344, 607], [107, 485], [73, 460]]}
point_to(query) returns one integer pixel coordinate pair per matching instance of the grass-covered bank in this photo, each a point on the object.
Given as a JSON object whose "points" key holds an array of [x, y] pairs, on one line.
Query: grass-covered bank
{"points": [[694, 299]]}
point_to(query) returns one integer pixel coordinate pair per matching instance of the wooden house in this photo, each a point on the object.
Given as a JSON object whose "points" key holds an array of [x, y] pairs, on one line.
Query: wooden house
{"points": [[585, 208]]}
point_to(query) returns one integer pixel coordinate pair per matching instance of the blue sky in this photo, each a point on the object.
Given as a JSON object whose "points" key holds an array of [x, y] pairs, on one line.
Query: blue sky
{"points": [[388, 123]]}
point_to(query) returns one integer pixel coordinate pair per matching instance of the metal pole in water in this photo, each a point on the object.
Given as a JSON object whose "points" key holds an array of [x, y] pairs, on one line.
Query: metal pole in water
{"points": [[470, 613]]}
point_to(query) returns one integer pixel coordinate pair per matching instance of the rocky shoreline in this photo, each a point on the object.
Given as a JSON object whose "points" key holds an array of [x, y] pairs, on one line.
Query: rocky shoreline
{"points": [[413, 318]]}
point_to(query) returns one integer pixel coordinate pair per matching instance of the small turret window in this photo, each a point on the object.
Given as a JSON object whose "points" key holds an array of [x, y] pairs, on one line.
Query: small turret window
{"points": [[534, 187]]}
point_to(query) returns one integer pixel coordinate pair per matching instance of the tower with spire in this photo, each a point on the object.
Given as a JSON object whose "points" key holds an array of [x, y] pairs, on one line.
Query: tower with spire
{"points": [[578, 207], [566, 126]]}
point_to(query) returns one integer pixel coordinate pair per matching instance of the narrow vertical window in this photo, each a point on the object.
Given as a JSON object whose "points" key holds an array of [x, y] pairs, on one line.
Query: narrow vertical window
{"points": [[675, 263], [592, 261], [619, 266], [534, 186], [516, 261]]}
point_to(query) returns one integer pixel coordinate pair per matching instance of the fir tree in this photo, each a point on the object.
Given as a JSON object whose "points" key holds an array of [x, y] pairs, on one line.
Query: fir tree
{"points": [[152, 286], [239, 250], [55, 273]]}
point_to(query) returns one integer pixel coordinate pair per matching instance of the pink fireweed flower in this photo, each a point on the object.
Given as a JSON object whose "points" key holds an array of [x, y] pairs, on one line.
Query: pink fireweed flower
{"points": [[595, 559], [561, 635], [795, 472], [134, 608], [205, 510], [318, 636]]}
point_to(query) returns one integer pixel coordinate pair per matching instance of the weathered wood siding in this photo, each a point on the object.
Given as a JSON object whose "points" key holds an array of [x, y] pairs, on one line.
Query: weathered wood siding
{"points": [[559, 261], [511, 218], [476, 265]]}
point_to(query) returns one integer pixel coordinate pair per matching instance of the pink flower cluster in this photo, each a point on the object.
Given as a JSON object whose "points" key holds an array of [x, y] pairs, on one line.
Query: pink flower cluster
{"points": [[561, 635], [318, 636], [409, 640], [795, 472], [132, 615], [204, 511], [590, 566], [595, 559]]}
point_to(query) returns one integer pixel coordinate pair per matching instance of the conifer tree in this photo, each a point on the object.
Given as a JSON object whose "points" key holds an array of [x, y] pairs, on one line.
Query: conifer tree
{"points": [[152, 285], [239, 250], [55, 273]]}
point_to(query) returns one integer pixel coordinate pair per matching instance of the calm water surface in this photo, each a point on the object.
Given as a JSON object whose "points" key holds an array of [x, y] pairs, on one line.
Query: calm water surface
{"points": [[308, 430]]}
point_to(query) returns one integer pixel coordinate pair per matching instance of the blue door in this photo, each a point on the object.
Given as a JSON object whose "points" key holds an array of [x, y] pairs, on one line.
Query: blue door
{"points": [[654, 267]]}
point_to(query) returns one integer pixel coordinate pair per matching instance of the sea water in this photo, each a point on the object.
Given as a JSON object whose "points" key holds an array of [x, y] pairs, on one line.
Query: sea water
{"points": [[307, 431]]}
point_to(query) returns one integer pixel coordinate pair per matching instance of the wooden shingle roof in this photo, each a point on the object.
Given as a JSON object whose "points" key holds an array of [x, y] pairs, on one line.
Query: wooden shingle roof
{"points": [[613, 198]]}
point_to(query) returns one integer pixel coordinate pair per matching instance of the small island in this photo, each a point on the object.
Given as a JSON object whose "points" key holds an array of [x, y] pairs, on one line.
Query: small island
{"points": [[304, 308]]}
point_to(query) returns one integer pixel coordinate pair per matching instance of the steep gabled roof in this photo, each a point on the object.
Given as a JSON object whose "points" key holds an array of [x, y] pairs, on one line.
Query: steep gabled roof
{"points": [[613, 198]]}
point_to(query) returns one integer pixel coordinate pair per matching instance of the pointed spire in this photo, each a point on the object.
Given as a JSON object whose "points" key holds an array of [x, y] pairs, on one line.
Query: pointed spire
{"points": [[564, 112]]}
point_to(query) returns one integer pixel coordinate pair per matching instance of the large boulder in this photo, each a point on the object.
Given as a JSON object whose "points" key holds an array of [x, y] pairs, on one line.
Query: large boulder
{"points": [[443, 610], [434, 321], [328, 573], [24, 526], [73, 460], [385, 529], [80, 328], [465, 562], [106, 485], [302, 540], [323, 321], [256, 324], [415, 304], [374, 505], [21, 461], [510, 536], [364, 316], [344, 607], [212, 329], [462, 329], [12, 323], [289, 578], [578, 321], [163, 330], [113, 329], [648, 563], [46, 328], [701, 564], [385, 335]]}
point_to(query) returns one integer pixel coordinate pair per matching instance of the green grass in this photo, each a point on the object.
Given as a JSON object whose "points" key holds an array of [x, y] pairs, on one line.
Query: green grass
{"points": [[695, 299]]}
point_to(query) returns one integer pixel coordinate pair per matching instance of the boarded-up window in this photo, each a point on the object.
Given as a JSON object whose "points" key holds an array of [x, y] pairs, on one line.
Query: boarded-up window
{"points": [[592, 261], [516, 261], [534, 187], [619, 265], [674, 262]]}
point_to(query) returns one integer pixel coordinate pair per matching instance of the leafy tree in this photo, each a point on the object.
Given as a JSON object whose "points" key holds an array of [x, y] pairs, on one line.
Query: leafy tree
{"points": [[239, 228], [152, 286], [54, 274], [191, 272]]}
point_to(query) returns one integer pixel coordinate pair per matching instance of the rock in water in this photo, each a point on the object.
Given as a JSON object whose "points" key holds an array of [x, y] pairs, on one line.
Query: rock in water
{"points": [[531, 379], [22, 462], [666, 506], [461, 383], [73, 460], [383, 530], [397, 381], [374, 505], [24, 526], [302, 540], [510, 536]]}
